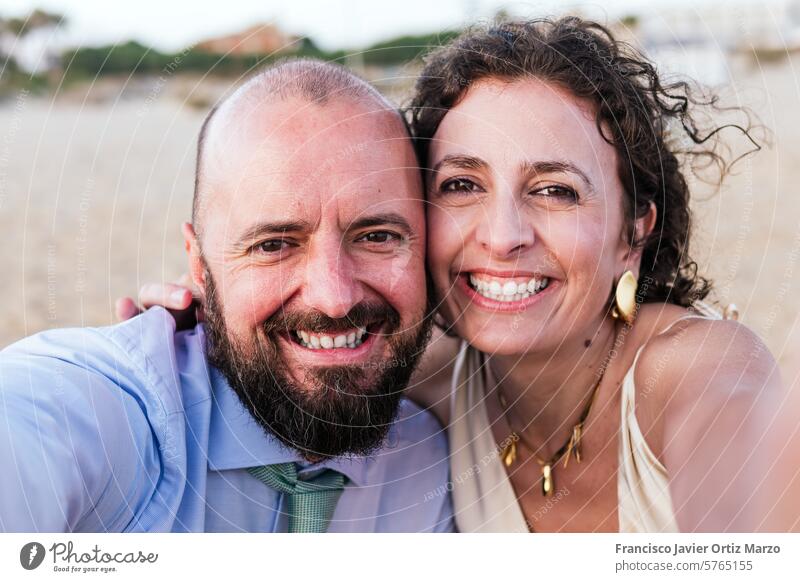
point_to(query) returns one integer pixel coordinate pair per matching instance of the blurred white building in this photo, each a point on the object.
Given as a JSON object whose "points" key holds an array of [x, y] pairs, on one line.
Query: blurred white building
{"points": [[701, 40]]}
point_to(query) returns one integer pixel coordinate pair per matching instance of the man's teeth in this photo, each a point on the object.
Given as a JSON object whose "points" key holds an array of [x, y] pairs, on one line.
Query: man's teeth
{"points": [[506, 289], [319, 341]]}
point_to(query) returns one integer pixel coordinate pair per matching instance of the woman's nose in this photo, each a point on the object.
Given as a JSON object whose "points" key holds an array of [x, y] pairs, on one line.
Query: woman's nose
{"points": [[504, 230]]}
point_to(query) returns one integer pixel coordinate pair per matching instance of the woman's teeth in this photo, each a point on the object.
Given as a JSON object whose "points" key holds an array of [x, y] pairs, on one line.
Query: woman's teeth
{"points": [[506, 290], [316, 341]]}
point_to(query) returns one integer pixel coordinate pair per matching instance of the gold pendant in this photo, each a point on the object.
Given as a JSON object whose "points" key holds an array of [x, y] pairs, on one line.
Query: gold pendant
{"points": [[574, 445], [547, 480], [509, 452], [577, 433]]}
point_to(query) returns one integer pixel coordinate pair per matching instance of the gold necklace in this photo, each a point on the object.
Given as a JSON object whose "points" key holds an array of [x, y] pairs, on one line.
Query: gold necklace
{"points": [[572, 447]]}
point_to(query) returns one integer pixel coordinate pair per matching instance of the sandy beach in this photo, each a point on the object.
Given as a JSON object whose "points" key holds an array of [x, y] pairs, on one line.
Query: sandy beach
{"points": [[94, 186]]}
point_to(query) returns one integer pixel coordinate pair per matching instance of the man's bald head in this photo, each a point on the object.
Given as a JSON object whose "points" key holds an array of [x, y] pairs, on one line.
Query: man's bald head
{"points": [[315, 82]]}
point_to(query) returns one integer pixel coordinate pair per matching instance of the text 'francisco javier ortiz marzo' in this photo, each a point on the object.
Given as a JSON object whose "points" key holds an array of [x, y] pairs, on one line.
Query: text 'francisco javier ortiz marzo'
{"points": [[678, 549]]}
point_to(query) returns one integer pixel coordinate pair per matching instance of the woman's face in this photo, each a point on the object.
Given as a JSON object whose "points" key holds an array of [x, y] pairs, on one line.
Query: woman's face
{"points": [[525, 218]]}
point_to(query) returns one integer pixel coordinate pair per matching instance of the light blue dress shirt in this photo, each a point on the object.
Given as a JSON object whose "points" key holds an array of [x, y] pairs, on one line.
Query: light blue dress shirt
{"points": [[127, 428]]}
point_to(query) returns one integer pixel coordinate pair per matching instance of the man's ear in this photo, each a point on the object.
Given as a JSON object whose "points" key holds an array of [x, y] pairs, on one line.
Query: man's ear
{"points": [[631, 254], [197, 270]]}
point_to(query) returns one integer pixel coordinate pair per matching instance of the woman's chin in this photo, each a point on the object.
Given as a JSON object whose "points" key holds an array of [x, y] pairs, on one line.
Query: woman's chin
{"points": [[501, 342]]}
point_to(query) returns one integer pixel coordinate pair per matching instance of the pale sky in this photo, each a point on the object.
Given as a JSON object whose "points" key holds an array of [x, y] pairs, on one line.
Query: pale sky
{"points": [[333, 24]]}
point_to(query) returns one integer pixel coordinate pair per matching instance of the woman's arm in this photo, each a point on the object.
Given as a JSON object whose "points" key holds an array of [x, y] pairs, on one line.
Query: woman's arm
{"points": [[724, 428]]}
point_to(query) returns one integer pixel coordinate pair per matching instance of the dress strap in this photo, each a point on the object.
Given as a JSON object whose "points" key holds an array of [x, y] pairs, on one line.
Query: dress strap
{"points": [[483, 497], [457, 377], [683, 318]]}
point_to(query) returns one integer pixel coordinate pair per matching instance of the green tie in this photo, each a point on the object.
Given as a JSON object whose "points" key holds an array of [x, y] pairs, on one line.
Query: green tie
{"points": [[311, 501]]}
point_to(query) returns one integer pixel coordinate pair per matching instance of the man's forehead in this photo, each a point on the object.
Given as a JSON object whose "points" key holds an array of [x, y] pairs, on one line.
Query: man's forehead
{"points": [[323, 173], [295, 140], [324, 199], [291, 125]]}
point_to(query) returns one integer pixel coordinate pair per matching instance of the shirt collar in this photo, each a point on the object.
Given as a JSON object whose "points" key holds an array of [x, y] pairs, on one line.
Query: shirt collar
{"points": [[237, 441]]}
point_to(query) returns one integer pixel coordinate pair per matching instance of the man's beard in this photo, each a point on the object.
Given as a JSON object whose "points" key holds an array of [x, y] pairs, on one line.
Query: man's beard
{"points": [[341, 410]]}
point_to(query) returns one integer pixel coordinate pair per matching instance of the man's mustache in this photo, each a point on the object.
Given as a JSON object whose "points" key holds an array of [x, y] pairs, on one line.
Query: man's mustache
{"points": [[362, 314]]}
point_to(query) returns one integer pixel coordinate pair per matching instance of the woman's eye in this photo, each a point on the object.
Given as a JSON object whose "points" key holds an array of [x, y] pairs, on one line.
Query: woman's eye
{"points": [[379, 237], [459, 185], [557, 192]]}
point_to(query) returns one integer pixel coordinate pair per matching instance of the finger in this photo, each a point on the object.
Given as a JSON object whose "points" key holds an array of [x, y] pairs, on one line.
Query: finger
{"points": [[185, 280], [125, 308], [166, 295]]}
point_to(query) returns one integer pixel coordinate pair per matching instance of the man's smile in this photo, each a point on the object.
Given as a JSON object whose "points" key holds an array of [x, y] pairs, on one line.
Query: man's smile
{"points": [[340, 347], [346, 339]]}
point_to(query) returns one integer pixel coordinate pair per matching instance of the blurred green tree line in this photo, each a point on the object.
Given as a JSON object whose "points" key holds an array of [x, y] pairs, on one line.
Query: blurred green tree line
{"points": [[132, 57]]}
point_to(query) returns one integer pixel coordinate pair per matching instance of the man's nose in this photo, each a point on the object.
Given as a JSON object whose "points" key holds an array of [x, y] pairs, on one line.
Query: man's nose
{"points": [[505, 230], [331, 284]]}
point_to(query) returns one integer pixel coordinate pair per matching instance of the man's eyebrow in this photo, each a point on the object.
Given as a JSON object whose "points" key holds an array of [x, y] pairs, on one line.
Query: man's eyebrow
{"points": [[460, 161], [383, 219], [261, 229], [555, 167]]}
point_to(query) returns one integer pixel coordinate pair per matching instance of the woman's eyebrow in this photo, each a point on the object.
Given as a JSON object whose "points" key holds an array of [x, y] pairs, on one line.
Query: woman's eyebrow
{"points": [[460, 161], [555, 167]]}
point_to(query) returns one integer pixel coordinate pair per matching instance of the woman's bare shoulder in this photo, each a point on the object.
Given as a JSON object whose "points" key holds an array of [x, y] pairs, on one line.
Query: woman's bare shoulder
{"points": [[430, 385], [688, 361], [683, 352]]}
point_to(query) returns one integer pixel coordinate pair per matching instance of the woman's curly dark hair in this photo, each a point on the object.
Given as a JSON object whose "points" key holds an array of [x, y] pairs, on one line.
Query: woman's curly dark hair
{"points": [[639, 110]]}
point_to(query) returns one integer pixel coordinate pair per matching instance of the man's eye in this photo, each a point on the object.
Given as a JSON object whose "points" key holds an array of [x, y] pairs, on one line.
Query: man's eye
{"points": [[271, 246], [459, 185], [379, 237]]}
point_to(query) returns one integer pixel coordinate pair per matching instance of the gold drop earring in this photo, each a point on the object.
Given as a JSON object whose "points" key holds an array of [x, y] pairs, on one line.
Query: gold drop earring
{"points": [[625, 298]]}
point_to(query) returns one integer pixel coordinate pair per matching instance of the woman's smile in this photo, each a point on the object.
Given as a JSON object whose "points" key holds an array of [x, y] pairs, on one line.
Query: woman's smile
{"points": [[504, 292]]}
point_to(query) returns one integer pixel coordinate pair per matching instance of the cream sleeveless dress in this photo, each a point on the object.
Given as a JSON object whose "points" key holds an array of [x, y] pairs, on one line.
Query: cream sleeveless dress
{"points": [[483, 497]]}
